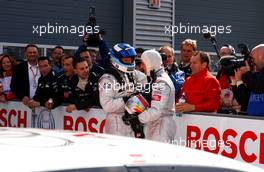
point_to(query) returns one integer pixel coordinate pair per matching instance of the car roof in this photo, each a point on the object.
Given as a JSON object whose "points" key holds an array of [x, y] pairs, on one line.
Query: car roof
{"points": [[49, 150]]}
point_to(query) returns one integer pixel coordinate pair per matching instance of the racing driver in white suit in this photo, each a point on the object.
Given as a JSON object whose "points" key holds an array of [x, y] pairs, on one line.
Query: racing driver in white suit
{"points": [[116, 87], [160, 125]]}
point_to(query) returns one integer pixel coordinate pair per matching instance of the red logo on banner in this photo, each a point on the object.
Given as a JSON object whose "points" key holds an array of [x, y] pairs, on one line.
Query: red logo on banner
{"points": [[90, 125], [13, 118], [200, 140]]}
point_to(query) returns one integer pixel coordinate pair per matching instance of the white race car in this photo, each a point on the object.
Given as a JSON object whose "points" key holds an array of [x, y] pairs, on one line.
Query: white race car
{"points": [[47, 150]]}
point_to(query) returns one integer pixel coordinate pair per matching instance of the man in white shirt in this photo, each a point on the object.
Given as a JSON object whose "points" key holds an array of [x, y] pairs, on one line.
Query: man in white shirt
{"points": [[25, 77]]}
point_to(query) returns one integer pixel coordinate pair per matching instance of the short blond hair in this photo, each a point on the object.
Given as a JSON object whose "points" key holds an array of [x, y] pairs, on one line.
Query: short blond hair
{"points": [[191, 42], [167, 46]]}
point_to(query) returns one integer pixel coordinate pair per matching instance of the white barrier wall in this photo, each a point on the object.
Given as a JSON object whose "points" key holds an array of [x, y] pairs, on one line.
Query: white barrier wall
{"points": [[236, 138], [15, 114]]}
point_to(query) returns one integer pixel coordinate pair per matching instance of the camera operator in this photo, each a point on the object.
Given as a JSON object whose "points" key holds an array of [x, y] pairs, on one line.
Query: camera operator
{"points": [[250, 83], [228, 103], [227, 49], [255, 79]]}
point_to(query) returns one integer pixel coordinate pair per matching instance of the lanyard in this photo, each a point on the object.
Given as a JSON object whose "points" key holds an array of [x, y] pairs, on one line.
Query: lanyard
{"points": [[34, 76]]}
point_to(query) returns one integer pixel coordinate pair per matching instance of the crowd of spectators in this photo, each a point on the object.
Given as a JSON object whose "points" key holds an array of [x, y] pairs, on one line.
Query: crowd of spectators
{"points": [[73, 79]]}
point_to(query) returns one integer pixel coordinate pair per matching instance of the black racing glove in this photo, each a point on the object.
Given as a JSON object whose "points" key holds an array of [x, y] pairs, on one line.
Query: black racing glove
{"points": [[126, 98], [136, 125], [127, 117]]}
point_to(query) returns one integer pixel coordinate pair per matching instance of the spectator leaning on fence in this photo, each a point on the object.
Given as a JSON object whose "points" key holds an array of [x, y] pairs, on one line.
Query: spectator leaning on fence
{"points": [[201, 89], [25, 77], [7, 64], [65, 79], [84, 87], [47, 90]]}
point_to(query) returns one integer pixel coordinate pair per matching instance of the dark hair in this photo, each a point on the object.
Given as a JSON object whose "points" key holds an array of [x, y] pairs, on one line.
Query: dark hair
{"points": [[30, 45], [68, 57], [77, 60], [59, 47], [204, 57], [42, 58], [92, 50], [139, 50], [84, 50], [12, 60]]}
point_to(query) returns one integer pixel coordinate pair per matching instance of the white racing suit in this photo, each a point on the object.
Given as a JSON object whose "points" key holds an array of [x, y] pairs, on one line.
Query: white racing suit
{"points": [[160, 125], [111, 99]]}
